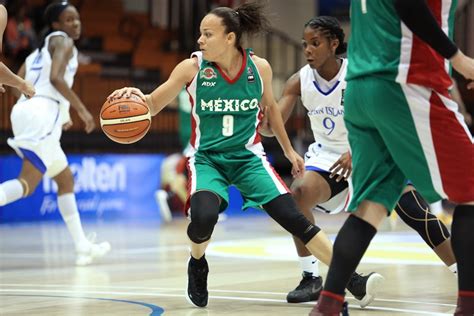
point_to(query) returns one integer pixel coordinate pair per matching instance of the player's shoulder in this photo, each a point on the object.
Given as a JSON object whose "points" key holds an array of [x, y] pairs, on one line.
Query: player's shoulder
{"points": [[263, 66], [260, 61], [58, 39], [187, 68]]}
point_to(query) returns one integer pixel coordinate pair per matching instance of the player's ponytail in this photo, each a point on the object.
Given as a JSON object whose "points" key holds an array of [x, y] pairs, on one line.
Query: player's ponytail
{"points": [[248, 18]]}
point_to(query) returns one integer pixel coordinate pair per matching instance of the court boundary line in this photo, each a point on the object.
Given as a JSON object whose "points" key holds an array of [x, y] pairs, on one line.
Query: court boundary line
{"points": [[233, 298]]}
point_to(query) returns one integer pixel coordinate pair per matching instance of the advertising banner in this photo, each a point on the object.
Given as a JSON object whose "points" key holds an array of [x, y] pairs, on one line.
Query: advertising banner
{"points": [[106, 185]]}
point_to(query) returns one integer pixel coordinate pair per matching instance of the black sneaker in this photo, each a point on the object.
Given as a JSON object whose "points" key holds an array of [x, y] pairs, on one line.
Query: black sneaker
{"points": [[364, 288], [197, 282], [308, 290]]}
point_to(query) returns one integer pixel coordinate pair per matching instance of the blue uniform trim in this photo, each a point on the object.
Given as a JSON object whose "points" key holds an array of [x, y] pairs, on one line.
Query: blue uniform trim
{"points": [[34, 159], [312, 168], [329, 91]]}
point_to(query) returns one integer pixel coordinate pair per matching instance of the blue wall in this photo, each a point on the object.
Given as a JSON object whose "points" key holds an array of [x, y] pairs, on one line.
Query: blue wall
{"points": [[106, 186]]}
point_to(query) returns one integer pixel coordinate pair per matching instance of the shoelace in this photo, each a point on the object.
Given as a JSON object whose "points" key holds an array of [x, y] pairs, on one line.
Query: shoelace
{"points": [[303, 282], [201, 280]]}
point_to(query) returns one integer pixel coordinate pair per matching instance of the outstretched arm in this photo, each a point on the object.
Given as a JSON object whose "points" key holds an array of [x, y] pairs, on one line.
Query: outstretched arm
{"points": [[164, 94], [61, 50], [275, 119], [10, 79], [286, 104]]}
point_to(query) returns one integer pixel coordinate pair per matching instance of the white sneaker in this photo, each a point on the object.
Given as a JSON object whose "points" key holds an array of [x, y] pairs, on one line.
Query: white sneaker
{"points": [[87, 254], [161, 198]]}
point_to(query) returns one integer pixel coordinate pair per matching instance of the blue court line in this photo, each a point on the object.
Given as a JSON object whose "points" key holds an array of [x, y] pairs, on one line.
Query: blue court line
{"points": [[155, 310]]}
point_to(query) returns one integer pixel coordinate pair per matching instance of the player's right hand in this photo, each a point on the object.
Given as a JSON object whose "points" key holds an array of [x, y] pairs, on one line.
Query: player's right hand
{"points": [[88, 120], [342, 168], [297, 163], [126, 93], [465, 66], [2, 88]]}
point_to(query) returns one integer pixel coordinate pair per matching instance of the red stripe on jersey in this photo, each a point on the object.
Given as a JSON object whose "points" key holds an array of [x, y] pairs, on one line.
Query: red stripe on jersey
{"points": [[454, 152], [279, 178], [192, 138], [258, 139], [427, 67], [187, 204]]}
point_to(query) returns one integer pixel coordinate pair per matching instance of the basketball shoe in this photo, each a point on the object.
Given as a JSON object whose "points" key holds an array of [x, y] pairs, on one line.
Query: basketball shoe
{"points": [[308, 290], [86, 254], [197, 282], [365, 288]]}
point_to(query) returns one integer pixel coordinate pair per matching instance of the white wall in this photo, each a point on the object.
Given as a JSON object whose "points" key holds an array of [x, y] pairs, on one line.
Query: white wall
{"points": [[291, 15]]}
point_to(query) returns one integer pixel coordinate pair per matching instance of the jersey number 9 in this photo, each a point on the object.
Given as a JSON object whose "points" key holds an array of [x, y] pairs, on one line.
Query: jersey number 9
{"points": [[227, 125]]}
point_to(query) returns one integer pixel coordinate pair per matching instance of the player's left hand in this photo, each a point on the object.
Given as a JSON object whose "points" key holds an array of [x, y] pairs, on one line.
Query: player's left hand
{"points": [[88, 120], [342, 168], [2, 88], [297, 169]]}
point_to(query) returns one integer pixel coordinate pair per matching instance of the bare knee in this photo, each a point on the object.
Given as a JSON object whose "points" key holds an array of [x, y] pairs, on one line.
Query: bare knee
{"points": [[306, 197], [65, 181], [29, 178]]}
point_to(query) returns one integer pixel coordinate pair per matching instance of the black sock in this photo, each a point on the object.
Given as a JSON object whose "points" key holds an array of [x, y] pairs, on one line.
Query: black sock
{"points": [[462, 241], [198, 262], [351, 243]]}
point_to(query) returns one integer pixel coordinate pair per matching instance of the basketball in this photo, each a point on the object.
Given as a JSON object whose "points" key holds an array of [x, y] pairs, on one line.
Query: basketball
{"points": [[125, 120]]}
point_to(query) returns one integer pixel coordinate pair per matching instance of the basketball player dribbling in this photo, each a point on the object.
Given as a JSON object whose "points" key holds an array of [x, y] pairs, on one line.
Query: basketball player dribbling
{"points": [[229, 87], [37, 124], [6, 76], [321, 85]]}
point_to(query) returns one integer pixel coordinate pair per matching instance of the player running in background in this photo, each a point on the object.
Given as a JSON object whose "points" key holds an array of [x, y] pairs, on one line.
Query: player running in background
{"points": [[37, 124]]}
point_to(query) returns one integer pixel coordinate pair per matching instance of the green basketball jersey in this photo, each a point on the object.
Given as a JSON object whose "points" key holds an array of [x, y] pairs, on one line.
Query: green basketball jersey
{"points": [[225, 112], [382, 45]]}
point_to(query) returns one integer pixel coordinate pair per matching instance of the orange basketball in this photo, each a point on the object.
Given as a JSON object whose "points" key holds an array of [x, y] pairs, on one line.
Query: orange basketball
{"points": [[125, 120]]}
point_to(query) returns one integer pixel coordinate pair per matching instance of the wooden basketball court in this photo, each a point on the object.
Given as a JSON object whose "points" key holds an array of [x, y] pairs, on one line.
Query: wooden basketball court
{"points": [[252, 266]]}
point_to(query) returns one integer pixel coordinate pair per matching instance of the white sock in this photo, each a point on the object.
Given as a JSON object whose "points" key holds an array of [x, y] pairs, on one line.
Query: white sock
{"points": [[454, 268], [436, 208], [68, 209], [10, 191], [309, 264]]}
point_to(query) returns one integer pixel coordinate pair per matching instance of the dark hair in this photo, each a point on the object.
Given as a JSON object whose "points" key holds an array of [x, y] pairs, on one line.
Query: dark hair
{"points": [[51, 14], [331, 28], [247, 18]]}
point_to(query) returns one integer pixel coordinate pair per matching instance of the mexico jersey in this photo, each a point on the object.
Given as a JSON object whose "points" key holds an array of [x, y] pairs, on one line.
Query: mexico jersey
{"points": [[401, 56], [38, 70], [325, 104], [225, 112]]}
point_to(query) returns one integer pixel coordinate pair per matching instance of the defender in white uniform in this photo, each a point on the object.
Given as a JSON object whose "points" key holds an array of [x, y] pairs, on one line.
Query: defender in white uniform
{"points": [[320, 85], [37, 124], [324, 101]]}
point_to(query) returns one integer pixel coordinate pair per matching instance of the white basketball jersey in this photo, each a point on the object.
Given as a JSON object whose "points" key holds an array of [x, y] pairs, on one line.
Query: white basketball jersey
{"points": [[38, 70], [325, 104]]}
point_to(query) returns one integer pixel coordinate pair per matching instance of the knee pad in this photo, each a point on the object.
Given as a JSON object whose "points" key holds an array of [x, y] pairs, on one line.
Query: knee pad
{"points": [[204, 215], [414, 211], [284, 211]]}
